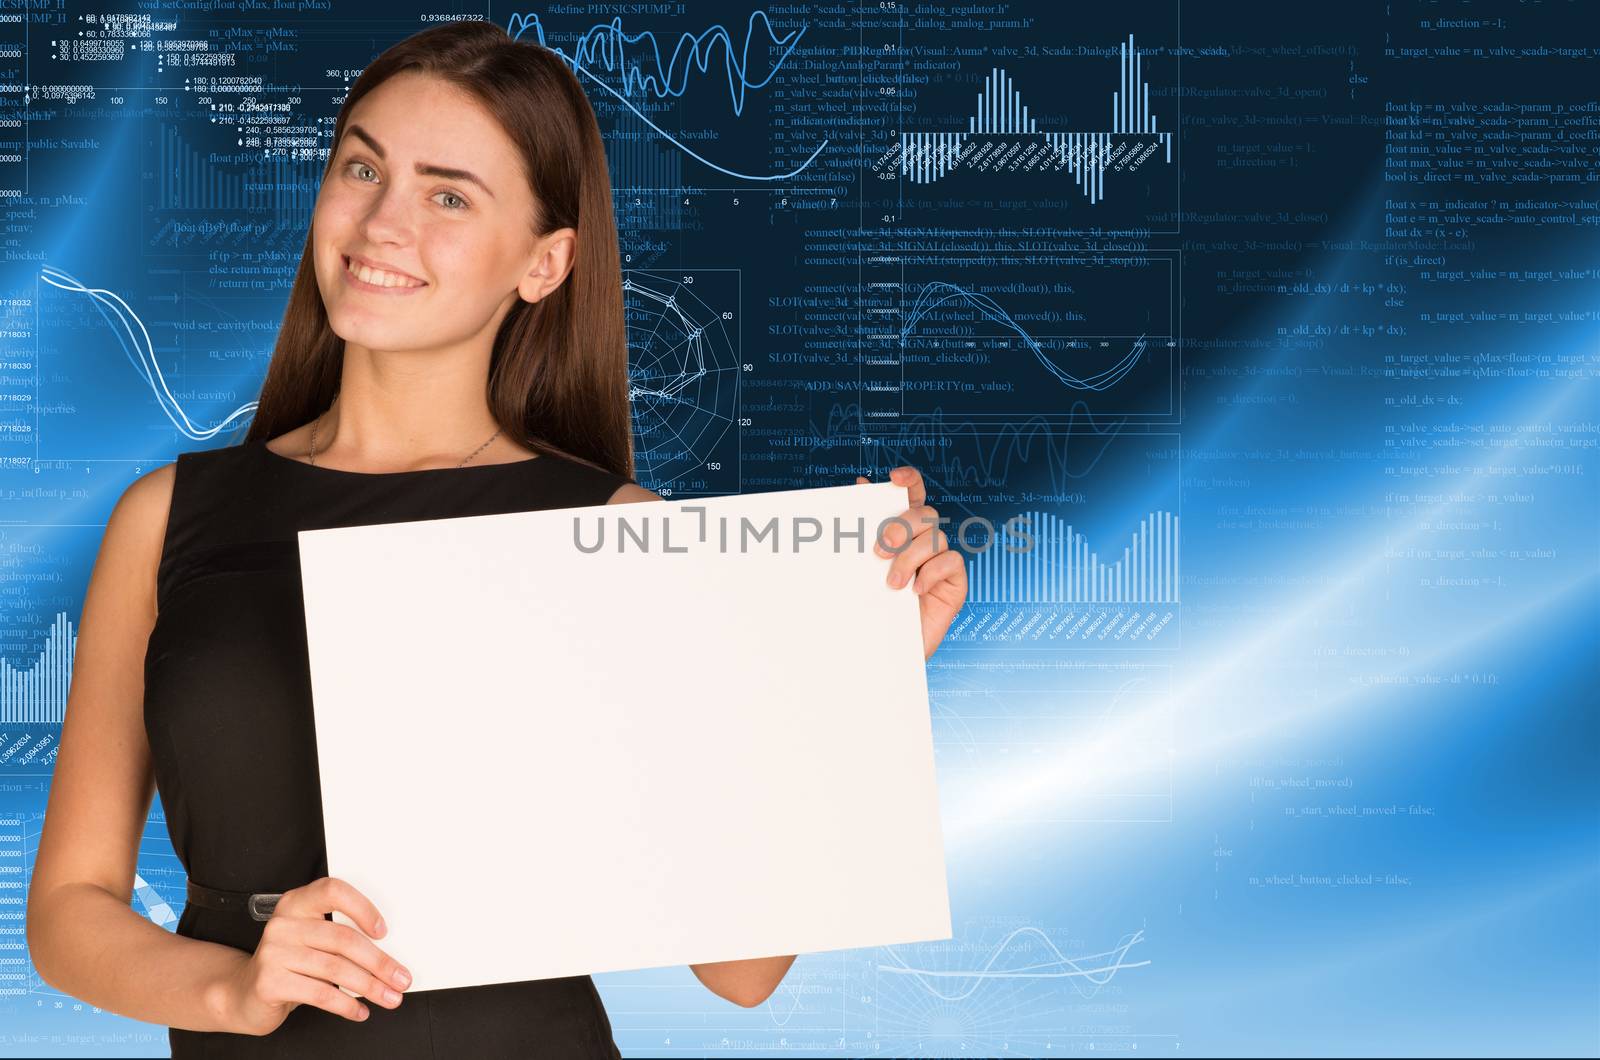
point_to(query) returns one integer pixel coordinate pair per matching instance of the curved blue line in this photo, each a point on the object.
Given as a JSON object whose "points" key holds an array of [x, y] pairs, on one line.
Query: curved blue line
{"points": [[631, 77], [606, 41], [686, 149]]}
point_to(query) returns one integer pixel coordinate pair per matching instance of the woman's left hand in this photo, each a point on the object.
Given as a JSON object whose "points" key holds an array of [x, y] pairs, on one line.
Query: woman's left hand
{"points": [[939, 573]]}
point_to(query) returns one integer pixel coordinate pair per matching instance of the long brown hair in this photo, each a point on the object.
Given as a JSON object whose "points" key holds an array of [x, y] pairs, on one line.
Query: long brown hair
{"points": [[558, 374]]}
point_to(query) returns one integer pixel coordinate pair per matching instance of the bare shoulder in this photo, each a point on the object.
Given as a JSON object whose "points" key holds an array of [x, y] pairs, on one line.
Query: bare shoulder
{"points": [[151, 490], [632, 492], [142, 509]]}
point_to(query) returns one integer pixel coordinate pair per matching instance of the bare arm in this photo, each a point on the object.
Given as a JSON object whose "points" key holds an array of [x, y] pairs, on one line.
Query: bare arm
{"points": [[748, 982], [83, 936]]}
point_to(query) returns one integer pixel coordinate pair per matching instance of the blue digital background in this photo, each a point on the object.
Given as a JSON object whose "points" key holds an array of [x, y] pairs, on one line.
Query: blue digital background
{"points": [[1319, 294]]}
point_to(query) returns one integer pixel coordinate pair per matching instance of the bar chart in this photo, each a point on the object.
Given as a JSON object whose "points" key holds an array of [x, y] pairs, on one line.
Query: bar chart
{"points": [[1049, 561]]}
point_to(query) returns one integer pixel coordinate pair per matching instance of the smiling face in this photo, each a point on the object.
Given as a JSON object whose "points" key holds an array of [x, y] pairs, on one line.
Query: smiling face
{"points": [[427, 189]]}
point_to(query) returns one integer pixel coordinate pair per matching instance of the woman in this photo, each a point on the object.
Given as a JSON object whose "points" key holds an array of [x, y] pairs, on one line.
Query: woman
{"points": [[453, 345]]}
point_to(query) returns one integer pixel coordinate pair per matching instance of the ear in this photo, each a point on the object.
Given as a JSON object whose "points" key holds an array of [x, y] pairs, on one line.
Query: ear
{"points": [[553, 257]]}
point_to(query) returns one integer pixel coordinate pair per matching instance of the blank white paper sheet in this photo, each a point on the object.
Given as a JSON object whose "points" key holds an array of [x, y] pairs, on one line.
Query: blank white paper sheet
{"points": [[544, 758]]}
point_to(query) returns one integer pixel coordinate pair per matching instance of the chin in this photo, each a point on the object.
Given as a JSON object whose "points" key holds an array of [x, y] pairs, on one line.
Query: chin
{"points": [[373, 338]]}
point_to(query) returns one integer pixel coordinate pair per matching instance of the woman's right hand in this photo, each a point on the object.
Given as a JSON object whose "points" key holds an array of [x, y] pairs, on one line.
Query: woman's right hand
{"points": [[303, 959]]}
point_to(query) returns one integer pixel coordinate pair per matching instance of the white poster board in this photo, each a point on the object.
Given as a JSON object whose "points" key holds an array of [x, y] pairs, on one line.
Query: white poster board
{"points": [[542, 761]]}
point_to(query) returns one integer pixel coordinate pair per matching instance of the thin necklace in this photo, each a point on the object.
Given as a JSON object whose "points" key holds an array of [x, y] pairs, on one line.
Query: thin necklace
{"points": [[318, 420]]}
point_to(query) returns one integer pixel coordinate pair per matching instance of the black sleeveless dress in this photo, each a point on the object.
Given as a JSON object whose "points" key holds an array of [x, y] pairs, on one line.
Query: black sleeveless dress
{"points": [[227, 710]]}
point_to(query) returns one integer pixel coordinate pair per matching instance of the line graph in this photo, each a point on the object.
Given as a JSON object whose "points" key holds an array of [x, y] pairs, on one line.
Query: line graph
{"points": [[991, 337], [937, 294], [604, 48], [140, 350], [1000, 987], [1087, 973]]}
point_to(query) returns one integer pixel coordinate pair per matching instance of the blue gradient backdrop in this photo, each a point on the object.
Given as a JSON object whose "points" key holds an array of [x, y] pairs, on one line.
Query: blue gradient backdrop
{"points": [[1334, 794]]}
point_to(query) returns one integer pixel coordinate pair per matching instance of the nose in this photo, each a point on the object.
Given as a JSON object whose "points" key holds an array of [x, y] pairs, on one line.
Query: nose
{"points": [[388, 218]]}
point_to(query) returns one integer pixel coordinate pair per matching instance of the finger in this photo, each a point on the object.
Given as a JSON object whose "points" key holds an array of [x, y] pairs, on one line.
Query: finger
{"points": [[343, 939], [343, 972], [946, 566], [904, 566], [911, 478], [860, 480], [333, 895], [895, 534], [318, 993]]}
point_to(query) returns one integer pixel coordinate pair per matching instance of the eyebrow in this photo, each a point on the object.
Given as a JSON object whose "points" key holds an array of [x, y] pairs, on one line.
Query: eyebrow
{"points": [[422, 168]]}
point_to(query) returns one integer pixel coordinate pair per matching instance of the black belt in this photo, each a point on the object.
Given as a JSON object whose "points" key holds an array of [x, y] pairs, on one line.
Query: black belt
{"points": [[259, 905]]}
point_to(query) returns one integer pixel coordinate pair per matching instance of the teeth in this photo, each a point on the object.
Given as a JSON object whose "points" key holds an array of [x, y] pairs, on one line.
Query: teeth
{"points": [[378, 277]]}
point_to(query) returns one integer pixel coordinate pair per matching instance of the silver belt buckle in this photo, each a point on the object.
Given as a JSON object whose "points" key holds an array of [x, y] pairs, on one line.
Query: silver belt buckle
{"points": [[261, 906]]}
